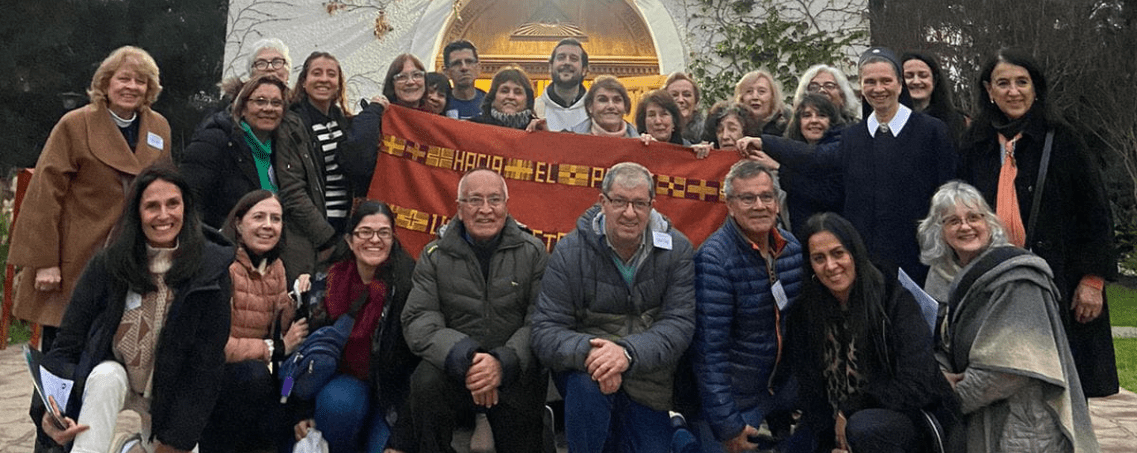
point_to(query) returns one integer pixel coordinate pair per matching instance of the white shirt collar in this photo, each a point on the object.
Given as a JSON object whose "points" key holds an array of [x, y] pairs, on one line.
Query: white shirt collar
{"points": [[895, 124]]}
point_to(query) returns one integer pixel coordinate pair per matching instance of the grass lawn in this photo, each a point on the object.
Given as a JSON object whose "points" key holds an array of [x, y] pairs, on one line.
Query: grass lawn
{"points": [[1123, 312], [19, 332], [1126, 349], [1122, 305]]}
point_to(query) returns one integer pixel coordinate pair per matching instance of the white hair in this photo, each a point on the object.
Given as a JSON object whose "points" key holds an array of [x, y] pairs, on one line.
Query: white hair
{"points": [[462, 182], [934, 249], [852, 107], [269, 43]]}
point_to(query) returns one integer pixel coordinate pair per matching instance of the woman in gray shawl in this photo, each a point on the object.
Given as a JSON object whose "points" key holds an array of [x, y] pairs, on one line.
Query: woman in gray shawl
{"points": [[1000, 343]]}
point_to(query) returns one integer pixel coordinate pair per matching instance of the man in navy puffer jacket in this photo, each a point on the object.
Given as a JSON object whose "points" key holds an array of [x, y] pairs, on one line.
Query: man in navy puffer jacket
{"points": [[747, 274]]}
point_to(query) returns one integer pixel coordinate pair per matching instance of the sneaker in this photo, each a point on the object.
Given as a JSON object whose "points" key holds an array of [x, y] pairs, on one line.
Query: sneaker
{"points": [[677, 420], [127, 443]]}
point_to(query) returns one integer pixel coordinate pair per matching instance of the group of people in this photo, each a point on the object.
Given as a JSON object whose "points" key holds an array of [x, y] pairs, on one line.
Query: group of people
{"points": [[800, 314]]}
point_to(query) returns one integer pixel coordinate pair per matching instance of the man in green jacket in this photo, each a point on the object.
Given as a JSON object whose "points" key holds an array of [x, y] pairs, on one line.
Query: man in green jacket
{"points": [[467, 316]]}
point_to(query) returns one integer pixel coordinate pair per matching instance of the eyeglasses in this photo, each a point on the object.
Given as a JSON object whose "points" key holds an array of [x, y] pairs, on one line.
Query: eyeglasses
{"points": [[275, 63], [827, 86], [264, 103], [478, 202], [972, 219], [364, 234], [463, 62], [403, 77], [749, 199], [621, 204]]}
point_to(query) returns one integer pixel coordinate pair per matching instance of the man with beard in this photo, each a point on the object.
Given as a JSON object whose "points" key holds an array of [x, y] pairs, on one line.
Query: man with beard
{"points": [[461, 65], [562, 103]]}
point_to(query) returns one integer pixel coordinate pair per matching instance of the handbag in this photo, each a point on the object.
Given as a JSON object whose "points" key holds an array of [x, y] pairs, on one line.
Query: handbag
{"points": [[314, 363]]}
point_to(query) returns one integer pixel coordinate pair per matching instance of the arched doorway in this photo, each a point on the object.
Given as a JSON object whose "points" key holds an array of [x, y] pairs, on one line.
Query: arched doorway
{"points": [[524, 32]]}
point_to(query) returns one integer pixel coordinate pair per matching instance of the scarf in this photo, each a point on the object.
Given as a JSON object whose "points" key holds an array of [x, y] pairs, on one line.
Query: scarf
{"points": [[517, 120], [343, 287], [597, 130], [1009, 128], [262, 157]]}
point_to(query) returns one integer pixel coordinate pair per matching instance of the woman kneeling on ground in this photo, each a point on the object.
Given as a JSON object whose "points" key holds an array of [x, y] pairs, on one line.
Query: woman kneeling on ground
{"points": [[146, 327], [860, 348], [1002, 344], [364, 404], [247, 415]]}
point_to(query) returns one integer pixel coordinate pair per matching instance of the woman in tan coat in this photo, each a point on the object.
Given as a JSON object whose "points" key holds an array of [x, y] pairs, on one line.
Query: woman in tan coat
{"points": [[80, 181]]}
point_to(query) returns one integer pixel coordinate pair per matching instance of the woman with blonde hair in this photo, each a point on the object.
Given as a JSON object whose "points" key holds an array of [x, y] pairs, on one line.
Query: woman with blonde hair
{"points": [[762, 95], [686, 94], [80, 182]]}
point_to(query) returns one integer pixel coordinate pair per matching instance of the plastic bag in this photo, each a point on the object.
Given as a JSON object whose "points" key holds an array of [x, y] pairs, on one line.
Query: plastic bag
{"points": [[313, 442]]}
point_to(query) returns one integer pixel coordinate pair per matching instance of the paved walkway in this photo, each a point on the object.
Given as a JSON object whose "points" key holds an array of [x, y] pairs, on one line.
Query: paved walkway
{"points": [[1115, 418]]}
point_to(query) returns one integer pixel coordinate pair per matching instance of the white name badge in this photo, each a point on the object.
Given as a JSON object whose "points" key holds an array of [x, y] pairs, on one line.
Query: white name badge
{"points": [[154, 140], [780, 295], [133, 300], [661, 240]]}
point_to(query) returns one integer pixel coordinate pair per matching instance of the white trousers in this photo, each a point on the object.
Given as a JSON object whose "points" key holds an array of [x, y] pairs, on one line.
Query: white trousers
{"points": [[106, 393]]}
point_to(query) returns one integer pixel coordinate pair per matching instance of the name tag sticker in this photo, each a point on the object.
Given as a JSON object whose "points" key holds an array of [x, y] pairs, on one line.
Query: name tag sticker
{"points": [[133, 300], [661, 240], [154, 140], [780, 295]]}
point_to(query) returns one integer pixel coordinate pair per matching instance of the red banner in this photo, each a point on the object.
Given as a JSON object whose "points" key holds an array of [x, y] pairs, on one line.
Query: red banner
{"points": [[553, 177]]}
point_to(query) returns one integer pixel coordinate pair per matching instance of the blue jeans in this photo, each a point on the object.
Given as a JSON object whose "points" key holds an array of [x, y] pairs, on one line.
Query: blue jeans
{"points": [[343, 410], [595, 422], [784, 400]]}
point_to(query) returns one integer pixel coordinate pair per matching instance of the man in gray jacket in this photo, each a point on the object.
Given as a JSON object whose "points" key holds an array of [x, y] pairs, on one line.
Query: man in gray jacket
{"points": [[467, 316], [615, 313]]}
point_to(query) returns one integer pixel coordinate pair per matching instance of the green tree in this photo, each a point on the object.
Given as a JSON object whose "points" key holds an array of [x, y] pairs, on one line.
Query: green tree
{"points": [[1085, 46], [51, 50], [755, 34]]}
